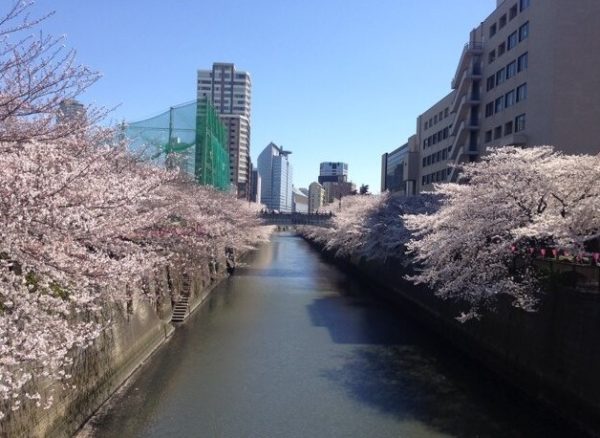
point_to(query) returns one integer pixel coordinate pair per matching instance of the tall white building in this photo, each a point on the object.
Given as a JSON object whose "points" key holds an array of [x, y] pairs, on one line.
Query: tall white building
{"points": [[229, 92], [275, 173]]}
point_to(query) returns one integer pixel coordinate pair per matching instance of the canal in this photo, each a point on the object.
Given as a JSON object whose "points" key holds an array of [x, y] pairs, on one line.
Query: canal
{"points": [[290, 346]]}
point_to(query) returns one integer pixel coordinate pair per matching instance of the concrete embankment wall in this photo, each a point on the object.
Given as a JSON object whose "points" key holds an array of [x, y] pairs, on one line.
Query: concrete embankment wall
{"points": [[552, 355], [136, 330]]}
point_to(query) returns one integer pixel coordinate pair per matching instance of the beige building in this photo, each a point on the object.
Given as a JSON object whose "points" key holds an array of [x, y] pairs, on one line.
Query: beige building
{"points": [[316, 197], [529, 75], [337, 190]]}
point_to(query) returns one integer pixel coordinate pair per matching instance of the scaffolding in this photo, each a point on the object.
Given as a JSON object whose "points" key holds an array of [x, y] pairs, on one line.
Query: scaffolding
{"points": [[189, 137]]}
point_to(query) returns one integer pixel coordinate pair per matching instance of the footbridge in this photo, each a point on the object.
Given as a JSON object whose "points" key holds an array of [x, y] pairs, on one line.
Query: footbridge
{"points": [[316, 219]]}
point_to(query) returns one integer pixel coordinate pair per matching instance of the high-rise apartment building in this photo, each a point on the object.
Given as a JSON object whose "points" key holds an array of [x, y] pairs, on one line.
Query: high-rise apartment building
{"points": [[527, 76], [275, 173], [229, 91]]}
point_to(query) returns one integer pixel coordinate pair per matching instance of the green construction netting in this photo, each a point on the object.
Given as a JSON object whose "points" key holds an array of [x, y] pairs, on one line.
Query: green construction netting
{"points": [[190, 137]]}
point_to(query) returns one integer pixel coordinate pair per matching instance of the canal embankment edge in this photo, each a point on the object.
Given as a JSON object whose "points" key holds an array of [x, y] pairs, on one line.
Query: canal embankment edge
{"points": [[550, 355], [134, 332]]}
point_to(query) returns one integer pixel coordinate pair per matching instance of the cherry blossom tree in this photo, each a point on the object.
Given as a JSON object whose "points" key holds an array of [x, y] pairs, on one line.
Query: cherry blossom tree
{"points": [[371, 226], [507, 202], [82, 222], [36, 74]]}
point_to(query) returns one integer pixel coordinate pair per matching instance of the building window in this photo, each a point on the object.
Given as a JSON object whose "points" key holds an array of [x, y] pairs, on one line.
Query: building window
{"points": [[425, 124], [497, 132], [520, 123], [500, 76], [522, 62], [524, 31], [490, 83], [435, 119], [509, 99], [512, 41], [491, 56], [446, 112], [489, 109], [513, 12], [524, 4], [522, 92], [445, 133], [508, 128], [493, 30], [501, 49], [499, 104], [424, 162], [488, 136], [511, 69], [502, 21], [423, 181]]}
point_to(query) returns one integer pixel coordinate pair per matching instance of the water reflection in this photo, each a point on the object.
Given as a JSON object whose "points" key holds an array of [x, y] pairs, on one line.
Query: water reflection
{"points": [[292, 347]]}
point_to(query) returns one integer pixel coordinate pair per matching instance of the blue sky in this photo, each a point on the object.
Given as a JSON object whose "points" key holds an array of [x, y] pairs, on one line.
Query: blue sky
{"points": [[332, 80]]}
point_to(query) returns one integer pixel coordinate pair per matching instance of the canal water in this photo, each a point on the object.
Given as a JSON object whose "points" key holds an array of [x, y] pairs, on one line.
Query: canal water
{"points": [[290, 346]]}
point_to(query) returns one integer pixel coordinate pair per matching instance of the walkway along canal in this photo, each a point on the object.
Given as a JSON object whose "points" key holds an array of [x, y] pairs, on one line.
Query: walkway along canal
{"points": [[290, 346]]}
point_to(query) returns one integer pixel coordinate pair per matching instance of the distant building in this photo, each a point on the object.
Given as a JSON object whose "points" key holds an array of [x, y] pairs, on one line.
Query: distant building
{"points": [[299, 201], [275, 173], [399, 169], [316, 197], [333, 172], [255, 183], [71, 110], [337, 190], [229, 92]]}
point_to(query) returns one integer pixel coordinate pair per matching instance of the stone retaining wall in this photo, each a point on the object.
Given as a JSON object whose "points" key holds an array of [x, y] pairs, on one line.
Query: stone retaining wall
{"points": [[137, 330], [552, 355]]}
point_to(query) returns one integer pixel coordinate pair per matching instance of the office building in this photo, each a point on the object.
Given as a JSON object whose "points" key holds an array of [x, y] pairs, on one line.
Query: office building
{"points": [[333, 172], [275, 173], [229, 91], [316, 197], [399, 168], [527, 76]]}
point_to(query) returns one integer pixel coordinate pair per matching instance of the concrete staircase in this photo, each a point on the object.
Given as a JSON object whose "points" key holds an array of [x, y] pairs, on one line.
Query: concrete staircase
{"points": [[181, 310]]}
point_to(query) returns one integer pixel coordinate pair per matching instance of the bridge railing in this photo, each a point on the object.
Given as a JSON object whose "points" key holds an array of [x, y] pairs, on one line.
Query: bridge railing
{"points": [[297, 218]]}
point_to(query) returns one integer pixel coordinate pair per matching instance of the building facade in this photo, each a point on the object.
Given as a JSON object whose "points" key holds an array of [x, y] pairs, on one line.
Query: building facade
{"points": [[316, 197], [71, 110], [398, 169], [299, 201], [255, 184], [276, 174], [527, 76], [333, 172], [337, 190], [229, 91]]}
